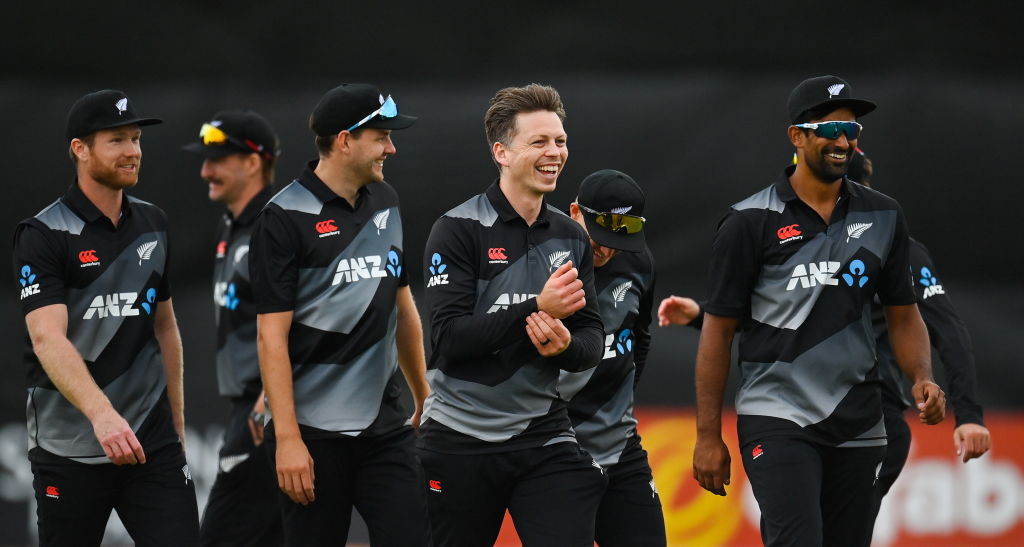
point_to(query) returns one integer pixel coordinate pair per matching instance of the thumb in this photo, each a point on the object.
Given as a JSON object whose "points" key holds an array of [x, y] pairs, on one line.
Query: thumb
{"points": [[958, 442]]}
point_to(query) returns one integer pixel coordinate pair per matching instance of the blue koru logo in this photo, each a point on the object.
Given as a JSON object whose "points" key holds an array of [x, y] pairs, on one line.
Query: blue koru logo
{"points": [[231, 298], [437, 266], [624, 341], [393, 266], [27, 277], [857, 270], [150, 302], [927, 278]]}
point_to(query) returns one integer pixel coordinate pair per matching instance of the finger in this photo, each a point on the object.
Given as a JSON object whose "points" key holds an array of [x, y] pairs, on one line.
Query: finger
{"points": [[544, 329], [291, 488], [533, 338], [136, 448], [307, 484], [252, 430], [127, 456], [562, 270]]}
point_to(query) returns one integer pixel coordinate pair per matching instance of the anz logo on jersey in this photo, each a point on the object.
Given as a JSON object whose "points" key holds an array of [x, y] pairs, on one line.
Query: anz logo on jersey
{"points": [[120, 304], [225, 295], [618, 344], [437, 268], [352, 270]]}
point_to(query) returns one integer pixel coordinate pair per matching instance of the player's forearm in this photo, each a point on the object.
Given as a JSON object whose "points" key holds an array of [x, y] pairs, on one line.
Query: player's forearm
{"points": [[165, 329], [712, 372], [276, 372], [66, 369], [411, 357], [909, 339]]}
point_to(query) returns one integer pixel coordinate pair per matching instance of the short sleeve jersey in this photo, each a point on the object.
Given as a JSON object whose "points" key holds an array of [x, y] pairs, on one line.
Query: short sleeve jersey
{"points": [[112, 279], [601, 398], [238, 371], [491, 391], [338, 269], [803, 290]]}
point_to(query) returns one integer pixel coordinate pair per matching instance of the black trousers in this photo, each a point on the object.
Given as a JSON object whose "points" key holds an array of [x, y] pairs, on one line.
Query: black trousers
{"points": [[552, 493], [895, 456], [156, 500], [243, 508], [630, 513], [379, 476], [810, 494]]}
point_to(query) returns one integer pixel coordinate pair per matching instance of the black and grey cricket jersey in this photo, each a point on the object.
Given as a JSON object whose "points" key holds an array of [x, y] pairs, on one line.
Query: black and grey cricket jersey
{"points": [[601, 398], [338, 268], [111, 279], [490, 389], [803, 290], [238, 368], [947, 334]]}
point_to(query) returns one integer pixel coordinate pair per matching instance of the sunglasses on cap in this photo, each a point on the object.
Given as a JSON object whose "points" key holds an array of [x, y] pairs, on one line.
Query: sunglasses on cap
{"points": [[387, 110], [616, 221], [832, 130], [215, 136]]}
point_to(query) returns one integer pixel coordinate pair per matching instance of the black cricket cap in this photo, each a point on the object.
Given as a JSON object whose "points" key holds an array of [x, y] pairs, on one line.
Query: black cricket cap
{"points": [[247, 133], [347, 104], [103, 109], [825, 93], [611, 191]]}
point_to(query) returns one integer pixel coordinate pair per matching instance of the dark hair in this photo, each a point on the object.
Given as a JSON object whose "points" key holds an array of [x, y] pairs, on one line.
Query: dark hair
{"points": [[89, 141], [324, 143], [500, 119]]}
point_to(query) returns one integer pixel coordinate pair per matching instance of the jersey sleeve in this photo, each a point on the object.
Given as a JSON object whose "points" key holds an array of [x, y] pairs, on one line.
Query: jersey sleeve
{"points": [[450, 268], [642, 327], [948, 334], [895, 287], [39, 267], [273, 261], [164, 291], [734, 267]]}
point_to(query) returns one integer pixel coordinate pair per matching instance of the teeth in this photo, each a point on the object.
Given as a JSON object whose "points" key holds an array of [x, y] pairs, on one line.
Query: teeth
{"points": [[838, 156], [549, 168]]}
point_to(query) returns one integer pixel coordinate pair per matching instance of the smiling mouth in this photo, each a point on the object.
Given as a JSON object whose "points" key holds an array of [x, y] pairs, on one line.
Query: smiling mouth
{"points": [[548, 169]]}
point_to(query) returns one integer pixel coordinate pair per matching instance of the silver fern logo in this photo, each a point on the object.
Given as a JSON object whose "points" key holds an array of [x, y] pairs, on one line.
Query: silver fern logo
{"points": [[240, 253], [146, 250], [380, 220], [622, 210], [856, 229], [619, 293], [558, 258], [835, 89], [121, 105]]}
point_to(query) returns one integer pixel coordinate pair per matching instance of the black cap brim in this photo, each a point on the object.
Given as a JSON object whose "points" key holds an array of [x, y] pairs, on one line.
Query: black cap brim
{"points": [[214, 151], [400, 121], [632, 243], [137, 121]]}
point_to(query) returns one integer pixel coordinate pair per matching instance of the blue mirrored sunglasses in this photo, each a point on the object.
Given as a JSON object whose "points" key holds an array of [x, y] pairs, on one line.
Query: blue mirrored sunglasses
{"points": [[387, 110], [832, 130]]}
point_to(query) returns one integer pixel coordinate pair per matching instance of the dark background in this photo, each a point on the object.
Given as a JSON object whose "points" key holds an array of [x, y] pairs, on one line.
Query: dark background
{"points": [[689, 99]]}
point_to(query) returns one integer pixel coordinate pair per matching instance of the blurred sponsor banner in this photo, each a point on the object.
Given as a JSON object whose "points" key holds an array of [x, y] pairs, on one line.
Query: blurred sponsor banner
{"points": [[937, 501]]}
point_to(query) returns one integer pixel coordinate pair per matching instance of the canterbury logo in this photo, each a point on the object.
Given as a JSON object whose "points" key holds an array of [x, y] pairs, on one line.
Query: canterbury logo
{"points": [[855, 230], [121, 105], [380, 220], [835, 89], [85, 257], [558, 258], [621, 210], [326, 227], [146, 250], [619, 294], [497, 253], [787, 232]]}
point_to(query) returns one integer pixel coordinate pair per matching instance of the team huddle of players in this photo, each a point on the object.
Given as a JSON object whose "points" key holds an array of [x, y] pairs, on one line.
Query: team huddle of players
{"points": [[539, 324]]}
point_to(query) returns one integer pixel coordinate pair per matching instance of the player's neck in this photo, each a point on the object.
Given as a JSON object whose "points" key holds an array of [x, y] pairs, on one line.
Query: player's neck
{"points": [[108, 200], [818, 194], [339, 180], [237, 206], [525, 201]]}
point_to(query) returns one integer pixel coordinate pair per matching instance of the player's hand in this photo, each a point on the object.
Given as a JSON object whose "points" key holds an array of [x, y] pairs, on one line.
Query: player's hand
{"points": [[548, 334], [417, 415], [295, 474], [931, 402], [256, 418], [971, 441], [677, 310], [711, 463], [117, 439], [562, 294]]}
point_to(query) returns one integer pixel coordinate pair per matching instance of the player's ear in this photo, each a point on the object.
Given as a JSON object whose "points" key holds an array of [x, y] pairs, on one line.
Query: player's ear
{"points": [[500, 152]]}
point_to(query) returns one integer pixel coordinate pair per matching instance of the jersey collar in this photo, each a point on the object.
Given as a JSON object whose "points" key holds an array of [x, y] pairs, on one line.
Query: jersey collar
{"points": [[253, 208], [80, 204], [319, 188], [505, 210], [785, 190]]}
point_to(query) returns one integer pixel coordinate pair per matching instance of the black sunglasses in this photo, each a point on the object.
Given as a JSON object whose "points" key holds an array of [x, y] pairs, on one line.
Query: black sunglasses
{"points": [[832, 130]]}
